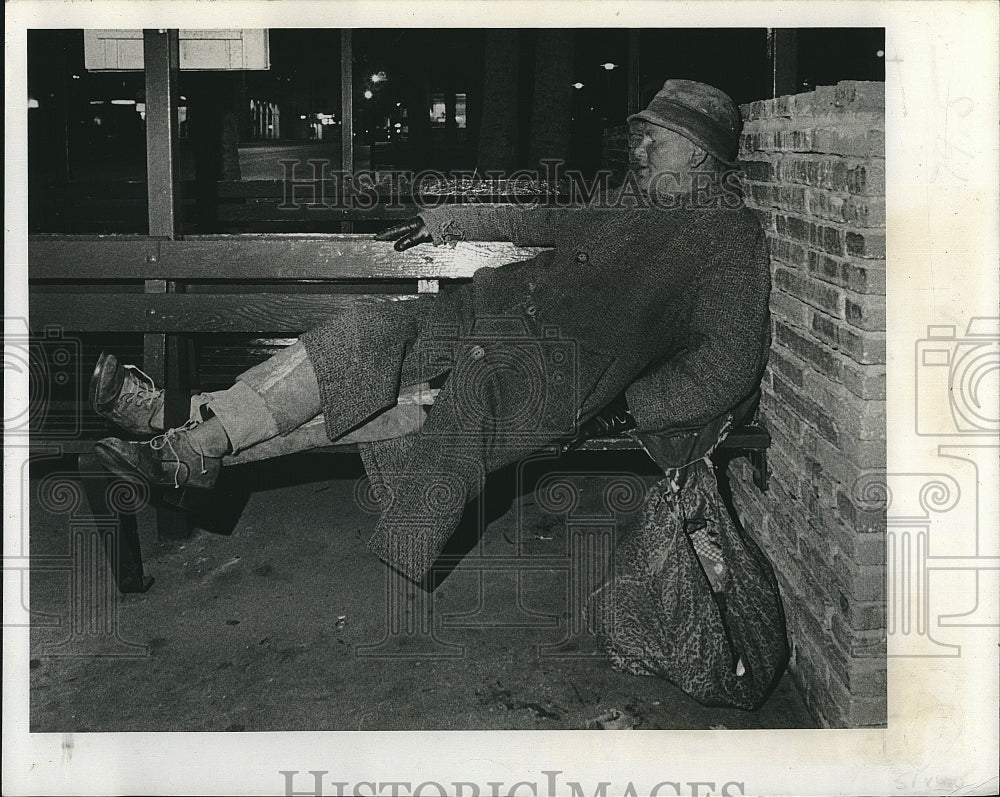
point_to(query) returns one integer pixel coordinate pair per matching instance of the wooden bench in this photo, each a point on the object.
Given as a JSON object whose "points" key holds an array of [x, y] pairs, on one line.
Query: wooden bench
{"points": [[280, 285]]}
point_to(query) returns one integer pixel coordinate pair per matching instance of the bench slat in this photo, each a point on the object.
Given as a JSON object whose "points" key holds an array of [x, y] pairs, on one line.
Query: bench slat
{"points": [[258, 257], [285, 313]]}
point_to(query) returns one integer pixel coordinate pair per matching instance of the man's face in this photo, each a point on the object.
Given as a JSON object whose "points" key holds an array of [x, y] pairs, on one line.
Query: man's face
{"points": [[654, 149]]}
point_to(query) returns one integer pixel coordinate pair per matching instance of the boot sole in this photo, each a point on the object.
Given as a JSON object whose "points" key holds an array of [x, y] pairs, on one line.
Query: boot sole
{"points": [[184, 497], [95, 381]]}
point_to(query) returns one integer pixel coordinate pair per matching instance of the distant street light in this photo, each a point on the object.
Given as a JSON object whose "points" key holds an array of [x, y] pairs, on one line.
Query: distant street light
{"points": [[578, 85], [368, 94], [378, 77], [609, 66]]}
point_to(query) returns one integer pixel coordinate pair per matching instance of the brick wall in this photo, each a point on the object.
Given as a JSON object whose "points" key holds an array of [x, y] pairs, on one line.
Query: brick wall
{"points": [[815, 174]]}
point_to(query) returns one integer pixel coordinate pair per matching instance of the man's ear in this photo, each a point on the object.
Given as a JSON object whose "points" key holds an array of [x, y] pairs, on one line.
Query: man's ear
{"points": [[698, 156]]}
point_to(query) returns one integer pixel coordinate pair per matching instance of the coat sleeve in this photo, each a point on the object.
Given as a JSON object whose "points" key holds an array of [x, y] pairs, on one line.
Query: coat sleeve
{"points": [[726, 352], [521, 225]]}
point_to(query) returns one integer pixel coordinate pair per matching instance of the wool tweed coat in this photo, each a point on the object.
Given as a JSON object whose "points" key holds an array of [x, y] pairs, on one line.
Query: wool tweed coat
{"points": [[669, 305]]}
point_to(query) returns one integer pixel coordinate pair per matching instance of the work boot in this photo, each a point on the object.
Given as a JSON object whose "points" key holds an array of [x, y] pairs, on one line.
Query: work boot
{"points": [[126, 396], [187, 459]]}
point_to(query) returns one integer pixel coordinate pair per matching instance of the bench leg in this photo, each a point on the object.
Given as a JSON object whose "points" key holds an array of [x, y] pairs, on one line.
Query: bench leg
{"points": [[121, 545]]}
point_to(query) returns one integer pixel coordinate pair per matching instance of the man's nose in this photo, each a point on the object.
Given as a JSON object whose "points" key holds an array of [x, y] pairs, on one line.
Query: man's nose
{"points": [[639, 151]]}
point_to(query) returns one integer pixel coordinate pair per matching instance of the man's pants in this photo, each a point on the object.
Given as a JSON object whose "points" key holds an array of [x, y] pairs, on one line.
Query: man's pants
{"points": [[496, 368], [247, 410]]}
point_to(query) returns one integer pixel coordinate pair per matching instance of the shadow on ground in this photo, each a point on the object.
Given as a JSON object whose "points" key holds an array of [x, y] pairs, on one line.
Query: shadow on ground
{"points": [[289, 623]]}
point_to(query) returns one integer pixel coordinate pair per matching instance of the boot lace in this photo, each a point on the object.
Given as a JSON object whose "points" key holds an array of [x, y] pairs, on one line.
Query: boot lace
{"points": [[145, 392], [164, 440]]}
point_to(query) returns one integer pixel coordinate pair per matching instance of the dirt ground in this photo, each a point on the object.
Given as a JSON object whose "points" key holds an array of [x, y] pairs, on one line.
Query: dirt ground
{"points": [[289, 623]]}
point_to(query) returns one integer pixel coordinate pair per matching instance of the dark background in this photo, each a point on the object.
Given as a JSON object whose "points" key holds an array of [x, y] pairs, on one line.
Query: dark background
{"points": [[450, 99]]}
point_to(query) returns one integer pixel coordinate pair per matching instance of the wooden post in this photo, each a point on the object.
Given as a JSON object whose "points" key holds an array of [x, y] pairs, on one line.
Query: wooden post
{"points": [[164, 355], [782, 53], [346, 114]]}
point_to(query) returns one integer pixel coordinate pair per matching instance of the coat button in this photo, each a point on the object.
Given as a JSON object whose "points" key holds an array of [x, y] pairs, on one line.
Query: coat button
{"points": [[477, 352], [582, 257], [531, 310]]}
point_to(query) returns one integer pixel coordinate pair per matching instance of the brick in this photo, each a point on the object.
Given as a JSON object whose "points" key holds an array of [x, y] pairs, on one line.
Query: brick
{"points": [[758, 170], [864, 453], [869, 278], [867, 583], [863, 419], [862, 616], [864, 548], [794, 140], [778, 414], [862, 346], [791, 372], [855, 711], [809, 290], [793, 227], [789, 252], [863, 519], [825, 267], [817, 355], [867, 244], [786, 307], [866, 382], [860, 95], [865, 140], [863, 647], [863, 677], [829, 239], [836, 461], [866, 178], [825, 204], [790, 198], [825, 329], [815, 415], [866, 312], [864, 212], [866, 348]]}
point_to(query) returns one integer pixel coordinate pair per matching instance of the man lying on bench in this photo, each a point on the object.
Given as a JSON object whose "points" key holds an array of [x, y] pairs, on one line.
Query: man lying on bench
{"points": [[660, 290]]}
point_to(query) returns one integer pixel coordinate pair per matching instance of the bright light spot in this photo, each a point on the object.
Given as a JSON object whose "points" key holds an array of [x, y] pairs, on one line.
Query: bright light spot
{"points": [[398, 125], [303, 116], [578, 85], [398, 104], [184, 99], [140, 108], [368, 94], [123, 102], [76, 77], [609, 66], [378, 77], [880, 53], [97, 102], [32, 102]]}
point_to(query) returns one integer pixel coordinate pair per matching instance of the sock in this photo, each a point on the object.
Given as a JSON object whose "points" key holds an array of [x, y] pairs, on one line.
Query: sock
{"points": [[210, 438]]}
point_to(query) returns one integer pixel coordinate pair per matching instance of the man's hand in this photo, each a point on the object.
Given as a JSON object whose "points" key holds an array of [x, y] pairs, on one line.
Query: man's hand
{"points": [[406, 234]]}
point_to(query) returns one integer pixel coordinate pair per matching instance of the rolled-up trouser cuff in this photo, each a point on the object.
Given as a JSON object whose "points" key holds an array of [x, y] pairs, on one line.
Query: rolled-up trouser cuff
{"points": [[287, 385], [244, 415]]}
